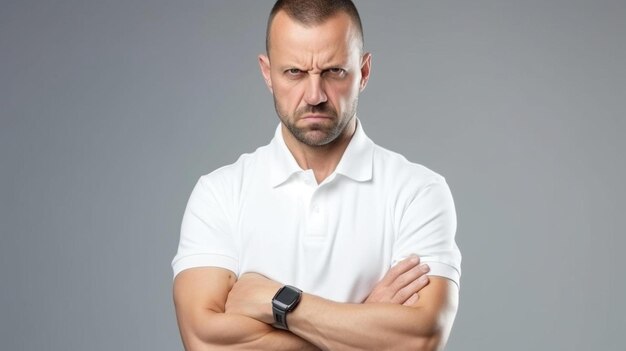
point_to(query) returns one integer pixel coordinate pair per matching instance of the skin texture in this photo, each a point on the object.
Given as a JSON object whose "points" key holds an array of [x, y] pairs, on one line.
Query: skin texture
{"points": [[423, 325], [201, 296], [315, 75]]}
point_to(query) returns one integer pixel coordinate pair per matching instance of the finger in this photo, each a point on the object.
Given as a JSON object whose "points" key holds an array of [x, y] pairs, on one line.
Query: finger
{"points": [[400, 268], [407, 292], [409, 277], [412, 300]]}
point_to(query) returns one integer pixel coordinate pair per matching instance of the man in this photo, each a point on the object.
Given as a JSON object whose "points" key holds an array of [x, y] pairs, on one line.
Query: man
{"points": [[311, 242]]}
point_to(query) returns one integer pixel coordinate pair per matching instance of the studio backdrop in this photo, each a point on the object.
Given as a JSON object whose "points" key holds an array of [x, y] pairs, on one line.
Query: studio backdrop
{"points": [[111, 110]]}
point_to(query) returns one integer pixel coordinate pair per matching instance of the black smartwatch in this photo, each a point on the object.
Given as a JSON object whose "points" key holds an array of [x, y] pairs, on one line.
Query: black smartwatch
{"points": [[285, 301]]}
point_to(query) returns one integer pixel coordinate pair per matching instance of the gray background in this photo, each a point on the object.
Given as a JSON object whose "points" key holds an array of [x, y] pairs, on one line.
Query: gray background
{"points": [[111, 110]]}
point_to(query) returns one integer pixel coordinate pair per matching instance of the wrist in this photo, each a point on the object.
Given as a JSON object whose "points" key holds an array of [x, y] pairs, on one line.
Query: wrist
{"points": [[284, 302]]}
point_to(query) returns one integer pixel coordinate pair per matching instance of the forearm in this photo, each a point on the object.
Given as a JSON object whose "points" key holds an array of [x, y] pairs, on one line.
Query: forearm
{"points": [[199, 297], [377, 326], [223, 331], [423, 324], [334, 326]]}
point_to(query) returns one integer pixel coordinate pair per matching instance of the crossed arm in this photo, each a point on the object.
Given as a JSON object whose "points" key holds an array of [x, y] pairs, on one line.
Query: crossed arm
{"points": [[215, 311]]}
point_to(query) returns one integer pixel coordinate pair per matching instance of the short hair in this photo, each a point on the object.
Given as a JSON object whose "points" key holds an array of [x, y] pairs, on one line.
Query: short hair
{"points": [[312, 12]]}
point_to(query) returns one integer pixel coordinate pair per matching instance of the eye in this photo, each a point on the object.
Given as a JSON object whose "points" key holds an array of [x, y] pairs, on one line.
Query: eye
{"points": [[336, 72], [293, 72]]}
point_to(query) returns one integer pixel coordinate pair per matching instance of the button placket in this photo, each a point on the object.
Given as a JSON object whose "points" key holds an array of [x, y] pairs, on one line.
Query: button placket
{"points": [[316, 223]]}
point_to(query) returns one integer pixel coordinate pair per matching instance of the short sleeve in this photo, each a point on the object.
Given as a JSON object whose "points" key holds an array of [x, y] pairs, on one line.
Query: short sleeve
{"points": [[206, 238], [428, 228]]}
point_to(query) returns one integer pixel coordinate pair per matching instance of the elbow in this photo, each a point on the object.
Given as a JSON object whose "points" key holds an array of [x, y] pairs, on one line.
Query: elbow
{"points": [[210, 330], [416, 339], [433, 342], [199, 329], [433, 333], [195, 338], [207, 336]]}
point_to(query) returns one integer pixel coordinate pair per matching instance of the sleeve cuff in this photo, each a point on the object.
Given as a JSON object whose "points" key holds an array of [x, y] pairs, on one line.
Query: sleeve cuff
{"points": [[179, 264], [444, 270]]}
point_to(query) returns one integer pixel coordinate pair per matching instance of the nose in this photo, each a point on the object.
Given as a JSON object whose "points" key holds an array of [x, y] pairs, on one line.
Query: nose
{"points": [[315, 93]]}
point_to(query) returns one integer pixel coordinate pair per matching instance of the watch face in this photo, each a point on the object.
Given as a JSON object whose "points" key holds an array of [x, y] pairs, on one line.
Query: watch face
{"points": [[287, 296]]}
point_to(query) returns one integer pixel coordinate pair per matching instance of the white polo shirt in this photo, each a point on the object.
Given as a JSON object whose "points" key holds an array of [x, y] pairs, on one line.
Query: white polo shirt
{"points": [[336, 239]]}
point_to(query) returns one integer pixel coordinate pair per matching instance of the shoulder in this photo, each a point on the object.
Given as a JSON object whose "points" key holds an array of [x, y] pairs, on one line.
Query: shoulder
{"points": [[394, 169], [233, 176]]}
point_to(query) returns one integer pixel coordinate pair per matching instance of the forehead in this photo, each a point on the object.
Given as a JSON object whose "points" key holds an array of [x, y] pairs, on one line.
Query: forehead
{"points": [[334, 38]]}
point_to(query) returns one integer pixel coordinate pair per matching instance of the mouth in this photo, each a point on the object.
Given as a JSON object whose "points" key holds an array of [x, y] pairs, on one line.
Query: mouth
{"points": [[315, 117]]}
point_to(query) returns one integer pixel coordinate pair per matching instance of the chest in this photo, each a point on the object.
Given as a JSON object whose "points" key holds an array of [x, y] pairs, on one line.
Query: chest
{"points": [[334, 244]]}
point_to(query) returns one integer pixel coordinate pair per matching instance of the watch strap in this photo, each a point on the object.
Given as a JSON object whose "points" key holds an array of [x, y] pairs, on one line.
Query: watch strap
{"points": [[280, 318], [280, 309]]}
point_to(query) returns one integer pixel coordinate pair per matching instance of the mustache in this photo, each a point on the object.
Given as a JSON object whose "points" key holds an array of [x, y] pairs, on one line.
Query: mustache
{"points": [[324, 108]]}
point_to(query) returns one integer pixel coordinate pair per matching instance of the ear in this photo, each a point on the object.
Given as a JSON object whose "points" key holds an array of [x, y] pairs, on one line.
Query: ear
{"points": [[366, 65], [264, 64]]}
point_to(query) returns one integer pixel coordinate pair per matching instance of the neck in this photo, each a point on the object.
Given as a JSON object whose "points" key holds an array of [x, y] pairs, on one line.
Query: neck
{"points": [[323, 160]]}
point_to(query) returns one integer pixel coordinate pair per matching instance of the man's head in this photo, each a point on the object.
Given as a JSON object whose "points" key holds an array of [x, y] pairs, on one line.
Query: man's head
{"points": [[313, 12], [315, 67]]}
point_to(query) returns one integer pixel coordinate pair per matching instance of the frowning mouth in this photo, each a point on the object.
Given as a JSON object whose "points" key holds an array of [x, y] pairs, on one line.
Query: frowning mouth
{"points": [[316, 117]]}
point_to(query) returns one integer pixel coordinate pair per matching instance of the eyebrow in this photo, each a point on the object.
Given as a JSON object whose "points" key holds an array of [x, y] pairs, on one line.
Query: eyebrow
{"points": [[323, 68]]}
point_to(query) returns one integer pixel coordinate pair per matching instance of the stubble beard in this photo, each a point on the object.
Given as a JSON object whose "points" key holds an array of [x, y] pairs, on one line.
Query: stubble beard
{"points": [[317, 134]]}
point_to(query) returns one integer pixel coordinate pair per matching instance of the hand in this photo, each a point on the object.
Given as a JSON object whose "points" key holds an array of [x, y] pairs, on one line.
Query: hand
{"points": [[401, 283], [251, 296]]}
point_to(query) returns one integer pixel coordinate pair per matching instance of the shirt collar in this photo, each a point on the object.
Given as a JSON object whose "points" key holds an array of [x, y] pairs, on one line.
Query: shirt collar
{"points": [[282, 164], [356, 162], [358, 159]]}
